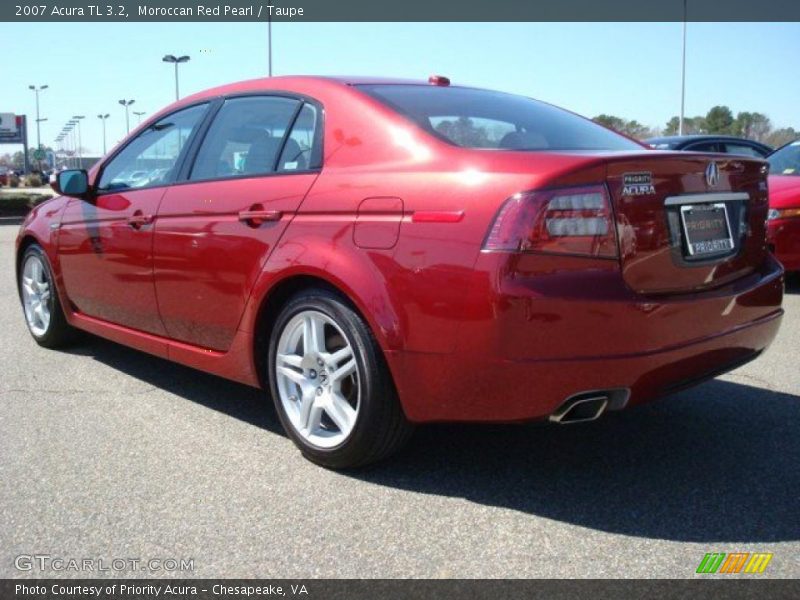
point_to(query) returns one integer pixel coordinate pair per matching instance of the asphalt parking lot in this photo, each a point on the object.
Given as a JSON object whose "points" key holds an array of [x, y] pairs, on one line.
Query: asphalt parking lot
{"points": [[107, 453]]}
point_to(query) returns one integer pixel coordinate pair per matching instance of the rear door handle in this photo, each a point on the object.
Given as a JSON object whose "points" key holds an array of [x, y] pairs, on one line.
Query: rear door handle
{"points": [[256, 215], [138, 219]]}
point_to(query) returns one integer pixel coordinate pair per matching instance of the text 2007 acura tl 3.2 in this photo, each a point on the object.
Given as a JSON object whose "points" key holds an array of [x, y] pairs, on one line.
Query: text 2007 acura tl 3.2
{"points": [[380, 253]]}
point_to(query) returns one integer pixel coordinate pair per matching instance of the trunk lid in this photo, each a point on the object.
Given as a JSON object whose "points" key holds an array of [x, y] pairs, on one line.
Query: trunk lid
{"points": [[673, 210]]}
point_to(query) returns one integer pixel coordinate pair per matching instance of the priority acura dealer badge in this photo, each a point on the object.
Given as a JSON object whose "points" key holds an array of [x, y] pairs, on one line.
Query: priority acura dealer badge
{"points": [[638, 184]]}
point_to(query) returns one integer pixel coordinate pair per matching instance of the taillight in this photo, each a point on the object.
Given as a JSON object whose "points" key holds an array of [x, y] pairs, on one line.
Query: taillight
{"points": [[575, 221]]}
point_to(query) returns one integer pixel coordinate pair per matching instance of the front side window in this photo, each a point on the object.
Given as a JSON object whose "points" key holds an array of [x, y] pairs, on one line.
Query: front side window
{"points": [[474, 118], [245, 138], [151, 158]]}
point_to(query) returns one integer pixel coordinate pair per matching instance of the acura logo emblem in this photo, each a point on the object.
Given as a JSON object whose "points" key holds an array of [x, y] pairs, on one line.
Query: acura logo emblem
{"points": [[712, 174]]}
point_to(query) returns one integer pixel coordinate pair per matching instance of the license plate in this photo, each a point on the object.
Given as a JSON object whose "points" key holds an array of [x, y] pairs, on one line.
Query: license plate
{"points": [[707, 229]]}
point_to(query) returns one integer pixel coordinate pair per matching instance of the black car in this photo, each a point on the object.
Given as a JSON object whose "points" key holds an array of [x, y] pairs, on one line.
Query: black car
{"points": [[726, 144]]}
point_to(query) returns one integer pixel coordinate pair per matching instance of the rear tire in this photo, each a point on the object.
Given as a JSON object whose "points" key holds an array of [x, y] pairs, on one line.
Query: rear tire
{"points": [[40, 303], [332, 389]]}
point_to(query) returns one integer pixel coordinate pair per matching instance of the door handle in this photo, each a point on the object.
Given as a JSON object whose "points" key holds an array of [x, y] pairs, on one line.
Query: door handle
{"points": [[138, 219], [256, 215]]}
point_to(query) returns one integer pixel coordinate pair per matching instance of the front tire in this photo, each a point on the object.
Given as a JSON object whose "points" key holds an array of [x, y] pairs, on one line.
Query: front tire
{"points": [[40, 304], [331, 387]]}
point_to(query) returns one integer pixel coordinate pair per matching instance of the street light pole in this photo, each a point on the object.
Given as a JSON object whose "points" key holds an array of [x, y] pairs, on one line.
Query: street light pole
{"points": [[74, 144], [126, 104], [269, 41], [42, 120], [139, 114], [683, 72], [65, 133], [69, 131], [78, 119], [36, 91], [103, 120], [176, 60], [73, 134]]}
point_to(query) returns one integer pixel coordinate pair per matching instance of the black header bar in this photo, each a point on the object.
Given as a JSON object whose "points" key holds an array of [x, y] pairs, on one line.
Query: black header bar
{"points": [[400, 10]]}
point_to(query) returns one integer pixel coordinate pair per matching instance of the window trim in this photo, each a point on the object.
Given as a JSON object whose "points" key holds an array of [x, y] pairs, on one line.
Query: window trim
{"points": [[179, 162], [186, 169], [192, 149]]}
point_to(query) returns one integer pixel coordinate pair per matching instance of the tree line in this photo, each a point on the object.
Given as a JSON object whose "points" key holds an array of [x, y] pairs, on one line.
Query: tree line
{"points": [[718, 120], [16, 161]]}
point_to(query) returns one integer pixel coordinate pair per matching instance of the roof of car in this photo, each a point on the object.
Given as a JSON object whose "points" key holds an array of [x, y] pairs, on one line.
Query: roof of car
{"points": [[288, 80], [361, 80], [303, 84]]}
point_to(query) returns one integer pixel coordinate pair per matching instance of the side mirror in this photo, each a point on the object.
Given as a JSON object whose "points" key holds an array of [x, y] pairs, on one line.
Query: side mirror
{"points": [[71, 182]]}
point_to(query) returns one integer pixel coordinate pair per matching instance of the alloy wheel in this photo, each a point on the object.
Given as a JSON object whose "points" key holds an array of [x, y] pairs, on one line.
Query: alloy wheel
{"points": [[317, 379], [36, 295]]}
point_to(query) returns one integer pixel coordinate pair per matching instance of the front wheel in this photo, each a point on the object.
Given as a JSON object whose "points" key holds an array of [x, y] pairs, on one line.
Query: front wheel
{"points": [[330, 384], [40, 303]]}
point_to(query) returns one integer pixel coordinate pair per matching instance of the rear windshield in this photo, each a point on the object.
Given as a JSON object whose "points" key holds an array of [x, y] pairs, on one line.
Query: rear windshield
{"points": [[786, 160], [474, 118]]}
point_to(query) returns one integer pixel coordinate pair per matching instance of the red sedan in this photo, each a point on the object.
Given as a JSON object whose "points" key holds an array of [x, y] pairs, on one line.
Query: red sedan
{"points": [[378, 254], [784, 205]]}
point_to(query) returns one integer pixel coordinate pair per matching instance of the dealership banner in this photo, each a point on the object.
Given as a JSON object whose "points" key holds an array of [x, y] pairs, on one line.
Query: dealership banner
{"points": [[391, 589], [405, 10]]}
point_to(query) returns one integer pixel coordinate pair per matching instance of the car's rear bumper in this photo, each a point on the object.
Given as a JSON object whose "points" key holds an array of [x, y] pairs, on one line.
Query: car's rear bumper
{"points": [[535, 352], [783, 236]]}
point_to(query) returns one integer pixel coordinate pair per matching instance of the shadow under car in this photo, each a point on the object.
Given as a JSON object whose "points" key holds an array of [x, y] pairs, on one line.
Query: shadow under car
{"points": [[716, 463]]}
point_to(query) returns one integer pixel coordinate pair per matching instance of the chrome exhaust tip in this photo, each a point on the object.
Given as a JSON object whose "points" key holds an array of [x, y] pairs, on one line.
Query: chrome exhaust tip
{"points": [[590, 405], [580, 409]]}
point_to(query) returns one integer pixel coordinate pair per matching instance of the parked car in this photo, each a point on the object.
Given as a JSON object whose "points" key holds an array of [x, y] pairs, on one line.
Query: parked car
{"points": [[424, 252], [784, 205], [725, 144]]}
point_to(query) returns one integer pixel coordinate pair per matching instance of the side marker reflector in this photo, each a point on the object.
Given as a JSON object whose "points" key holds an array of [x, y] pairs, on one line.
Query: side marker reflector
{"points": [[431, 216]]}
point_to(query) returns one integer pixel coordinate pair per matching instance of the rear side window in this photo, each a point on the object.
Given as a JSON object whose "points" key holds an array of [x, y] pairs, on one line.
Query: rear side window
{"points": [[743, 150], [245, 138], [704, 147], [303, 149], [474, 118]]}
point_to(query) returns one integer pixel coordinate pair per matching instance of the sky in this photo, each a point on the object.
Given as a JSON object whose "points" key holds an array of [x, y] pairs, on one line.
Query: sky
{"points": [[632, 70]]}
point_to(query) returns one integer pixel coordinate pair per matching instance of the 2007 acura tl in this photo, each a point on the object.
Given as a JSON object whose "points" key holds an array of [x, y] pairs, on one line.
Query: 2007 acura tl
{"points": [[379, 253]]}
